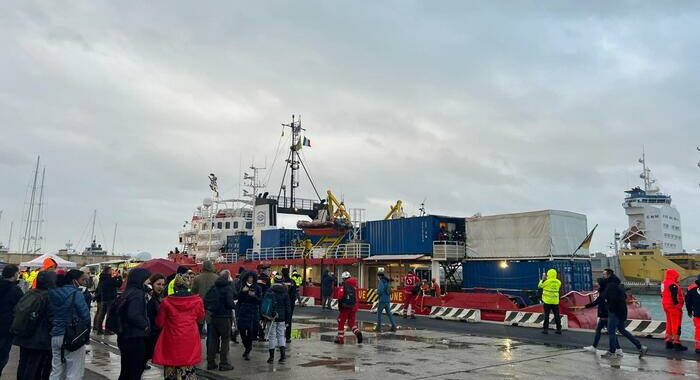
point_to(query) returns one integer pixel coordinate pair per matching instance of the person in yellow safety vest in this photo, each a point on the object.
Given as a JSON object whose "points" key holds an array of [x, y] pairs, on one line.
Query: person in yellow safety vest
{"points": [[181, 270], [550, 286], [296, 277]]}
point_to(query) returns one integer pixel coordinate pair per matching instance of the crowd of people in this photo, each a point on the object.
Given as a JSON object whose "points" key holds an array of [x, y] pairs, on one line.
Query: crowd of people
{"points": [[151, 313]]}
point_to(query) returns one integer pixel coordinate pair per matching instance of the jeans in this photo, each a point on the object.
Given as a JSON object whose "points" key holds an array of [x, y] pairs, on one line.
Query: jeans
{"points": [[276, 337], [5, 347], [247, 334], [615, 324], [557, 318], [218, 336], [602, 323], [326, 302], [74, 366], [381, 307]]}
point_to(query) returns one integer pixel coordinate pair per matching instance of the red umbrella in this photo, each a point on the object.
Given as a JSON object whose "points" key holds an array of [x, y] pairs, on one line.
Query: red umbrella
{"points": [[162, 266]]}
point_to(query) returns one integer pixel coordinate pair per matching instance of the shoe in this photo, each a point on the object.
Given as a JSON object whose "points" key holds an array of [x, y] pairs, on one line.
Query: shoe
{"points": [[283, 355], [393, 328], [271, 359], [590, 349], [545, 332], [679, 347], [404, 316], [643, 351], [288, 341], [377, 329], [611, 355], [211, 367], [558, 332], [246, 354], [359, 337], [225, 367], [669, 345], [339, 340], [697, 350]]}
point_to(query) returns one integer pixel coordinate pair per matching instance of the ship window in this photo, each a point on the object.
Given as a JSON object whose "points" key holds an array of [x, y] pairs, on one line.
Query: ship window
{"points": [[248, 225], [228, 225], [235, 225], [219, 225]]}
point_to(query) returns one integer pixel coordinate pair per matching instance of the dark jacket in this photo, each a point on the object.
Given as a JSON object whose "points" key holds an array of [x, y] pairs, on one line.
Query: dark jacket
{"points": [[692, 299], [224, 288], [248, 306], [264, 281], [205, 280], [41, 337], [282, 309], [108, 287], [616, 298], [292, 289], [10, 293], [59, 303], [384, 290], [132, 306], [327, 284], [602, 308], [152, 308]]}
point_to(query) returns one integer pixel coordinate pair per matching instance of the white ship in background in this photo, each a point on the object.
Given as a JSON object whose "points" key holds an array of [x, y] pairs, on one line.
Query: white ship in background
{"points": [[653, 221], [206, 234]]}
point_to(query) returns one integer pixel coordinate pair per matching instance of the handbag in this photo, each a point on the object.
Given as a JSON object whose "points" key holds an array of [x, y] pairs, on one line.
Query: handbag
{"points": [[77, 330]]}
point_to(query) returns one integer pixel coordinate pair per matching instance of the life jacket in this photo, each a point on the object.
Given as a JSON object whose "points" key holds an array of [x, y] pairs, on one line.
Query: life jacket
{"points": [[409, 282], [666, 297]]}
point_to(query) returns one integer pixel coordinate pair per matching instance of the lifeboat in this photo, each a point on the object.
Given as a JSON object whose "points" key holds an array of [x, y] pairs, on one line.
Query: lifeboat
{"points": [[331, 228]]}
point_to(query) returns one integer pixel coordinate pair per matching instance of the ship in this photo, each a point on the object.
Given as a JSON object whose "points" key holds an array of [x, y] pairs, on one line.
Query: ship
{"points": [[488, 263], [653, 241]]}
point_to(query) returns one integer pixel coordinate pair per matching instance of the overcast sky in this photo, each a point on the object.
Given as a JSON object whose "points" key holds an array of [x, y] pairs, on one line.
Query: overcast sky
{"points": [[474, 107]]}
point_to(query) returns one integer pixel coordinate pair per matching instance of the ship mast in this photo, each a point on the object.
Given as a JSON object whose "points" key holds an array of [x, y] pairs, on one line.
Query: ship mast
{"points": [[294, 162], [92, 232], [37, 230], [646, 175], [30, 212]]}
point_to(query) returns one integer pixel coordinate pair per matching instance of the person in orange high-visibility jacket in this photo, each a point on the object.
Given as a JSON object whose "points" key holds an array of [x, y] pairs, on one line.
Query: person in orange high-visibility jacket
{"points": [[672, 300], [48, 265], [692, 305]]}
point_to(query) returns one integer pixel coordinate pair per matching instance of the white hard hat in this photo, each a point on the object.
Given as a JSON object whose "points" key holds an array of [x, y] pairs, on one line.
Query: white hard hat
{"points": [[345, 275], [380, 270]]}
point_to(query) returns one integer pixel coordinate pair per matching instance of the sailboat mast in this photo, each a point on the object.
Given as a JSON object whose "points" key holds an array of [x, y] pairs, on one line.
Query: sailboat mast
{"points": [[38, 214], [9, 241], [92, 232], [30, 211], [114, 238]]}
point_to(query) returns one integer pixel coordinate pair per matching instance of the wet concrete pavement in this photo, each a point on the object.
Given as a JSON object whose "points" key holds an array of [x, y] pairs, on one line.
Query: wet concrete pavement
{"points": [[427, 351]]}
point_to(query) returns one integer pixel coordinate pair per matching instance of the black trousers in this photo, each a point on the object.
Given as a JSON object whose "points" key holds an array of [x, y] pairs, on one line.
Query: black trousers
{"points": [[548, 309], [34, 364], [133, 355], [219, 335], [288, 330], [247, 334]]}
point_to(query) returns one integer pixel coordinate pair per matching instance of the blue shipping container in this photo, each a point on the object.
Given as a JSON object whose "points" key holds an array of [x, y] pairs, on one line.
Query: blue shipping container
{"points": [[238, 244], [408, 235], [280, 237], [525, 274]]}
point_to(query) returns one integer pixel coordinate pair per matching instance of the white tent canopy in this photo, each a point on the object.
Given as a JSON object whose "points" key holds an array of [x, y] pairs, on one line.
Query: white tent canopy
{"points": [[39, 261]]}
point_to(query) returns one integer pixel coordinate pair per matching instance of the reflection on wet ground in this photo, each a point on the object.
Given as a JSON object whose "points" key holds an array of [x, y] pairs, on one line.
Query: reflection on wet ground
{"points": [[416, 354]]}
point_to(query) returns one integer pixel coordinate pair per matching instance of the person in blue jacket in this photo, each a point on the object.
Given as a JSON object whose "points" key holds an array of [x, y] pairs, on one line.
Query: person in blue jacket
{"points": [[384, 293], [67, 365]]}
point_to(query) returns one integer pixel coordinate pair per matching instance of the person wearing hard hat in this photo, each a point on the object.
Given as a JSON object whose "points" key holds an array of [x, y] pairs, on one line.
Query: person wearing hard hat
{"points": [[384, 304], [348, 306]]}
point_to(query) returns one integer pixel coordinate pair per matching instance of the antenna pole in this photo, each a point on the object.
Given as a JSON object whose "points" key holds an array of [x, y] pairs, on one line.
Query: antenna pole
{"points": [[30, 212], [114, 238]]}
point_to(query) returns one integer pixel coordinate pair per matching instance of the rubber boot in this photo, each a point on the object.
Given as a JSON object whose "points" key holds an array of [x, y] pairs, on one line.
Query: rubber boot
{"points": [[679, 347], [358, 334], [339, 340], [283, 355], [272, 356]]}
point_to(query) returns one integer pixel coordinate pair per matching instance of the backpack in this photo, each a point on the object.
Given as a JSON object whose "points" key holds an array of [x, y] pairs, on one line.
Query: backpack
{"points": [[28, 312], [77, 330], [269, 305], [212, 299], [349, 299]]}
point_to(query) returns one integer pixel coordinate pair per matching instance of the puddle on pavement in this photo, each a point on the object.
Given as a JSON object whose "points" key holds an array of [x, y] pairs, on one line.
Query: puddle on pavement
{"points": [[341, 364]]}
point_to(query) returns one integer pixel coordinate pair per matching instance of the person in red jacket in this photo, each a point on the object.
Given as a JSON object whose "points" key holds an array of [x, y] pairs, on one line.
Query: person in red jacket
{"points": [[672, 301], [179, 348], [411, 289], [692, 305], [348, 306]]}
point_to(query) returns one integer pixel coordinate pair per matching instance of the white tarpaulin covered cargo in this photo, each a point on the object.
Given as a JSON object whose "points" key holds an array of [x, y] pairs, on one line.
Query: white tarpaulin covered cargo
{"points": [[526, 235]]}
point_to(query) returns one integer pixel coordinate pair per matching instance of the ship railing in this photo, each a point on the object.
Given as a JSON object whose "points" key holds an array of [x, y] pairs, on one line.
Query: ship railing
{"points": [[449, 250], [276, 253], [343, 251], [299, 203]]}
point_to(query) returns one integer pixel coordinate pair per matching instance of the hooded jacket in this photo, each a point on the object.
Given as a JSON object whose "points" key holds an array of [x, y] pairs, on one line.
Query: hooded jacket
{"points": [[41, 337], [10, 293], [550, 288], [205, 280], [224, 288], [692, 299], [602, 308], [341, 292], [59, 302], [248, 302], [179, 342], [132, 307], [282, 309], [616, 298], [384, 290], [671, 294]]}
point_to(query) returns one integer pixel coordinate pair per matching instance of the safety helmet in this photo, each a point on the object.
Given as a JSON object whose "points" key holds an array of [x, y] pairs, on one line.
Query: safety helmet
{"points": [[345, 275]]}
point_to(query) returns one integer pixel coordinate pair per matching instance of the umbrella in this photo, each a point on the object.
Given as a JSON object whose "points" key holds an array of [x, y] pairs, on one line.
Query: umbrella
{"points": [[162, 266]]}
